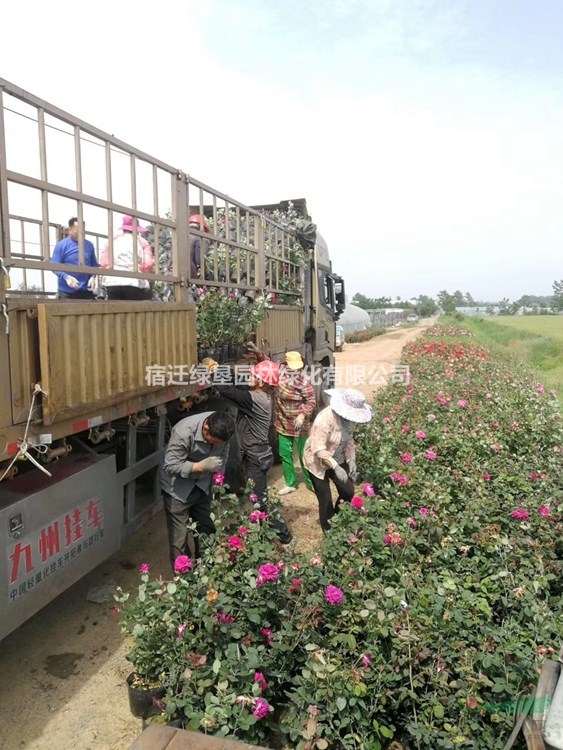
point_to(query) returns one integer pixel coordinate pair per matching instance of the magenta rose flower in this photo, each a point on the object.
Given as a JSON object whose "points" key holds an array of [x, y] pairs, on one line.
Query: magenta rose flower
{"points": [[219, 479], [334, 595], [267, 572], [261, 680], [235, 542], [261, 708], [182, 564], [357, 502], [144, 568]]}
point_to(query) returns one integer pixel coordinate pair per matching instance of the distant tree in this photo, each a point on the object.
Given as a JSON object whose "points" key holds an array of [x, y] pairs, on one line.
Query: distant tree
{"points": [[447, 302], [504, 308], [426, 306], [369, 303], [558, 295], [360, 300], [470, 302], [459, 298]]}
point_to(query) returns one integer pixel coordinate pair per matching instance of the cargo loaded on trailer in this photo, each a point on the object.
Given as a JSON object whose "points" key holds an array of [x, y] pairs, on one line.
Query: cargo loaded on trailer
{"points": [[82, 426]]}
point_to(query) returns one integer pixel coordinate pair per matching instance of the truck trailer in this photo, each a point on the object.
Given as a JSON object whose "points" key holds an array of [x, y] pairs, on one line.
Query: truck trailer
{"points": [[82, 426]]}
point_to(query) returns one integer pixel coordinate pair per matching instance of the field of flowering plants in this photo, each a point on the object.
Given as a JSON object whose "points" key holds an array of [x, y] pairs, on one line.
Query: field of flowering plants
{"points": [[430, 606]]}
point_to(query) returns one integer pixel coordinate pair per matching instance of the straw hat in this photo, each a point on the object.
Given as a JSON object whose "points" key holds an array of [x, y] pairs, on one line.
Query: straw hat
{"points": [[349, 403], [294, 361]]}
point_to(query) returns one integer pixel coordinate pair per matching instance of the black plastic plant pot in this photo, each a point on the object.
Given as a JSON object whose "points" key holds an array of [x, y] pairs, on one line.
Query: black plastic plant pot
{"points": [[202, 353], [141, 698]]}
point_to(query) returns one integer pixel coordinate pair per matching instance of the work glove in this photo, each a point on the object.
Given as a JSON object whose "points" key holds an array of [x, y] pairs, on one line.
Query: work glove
{"points": [[211, 464], [352, 469], [340, 474], [211, 364], [299, 422], [72, 282], [91, 282]]}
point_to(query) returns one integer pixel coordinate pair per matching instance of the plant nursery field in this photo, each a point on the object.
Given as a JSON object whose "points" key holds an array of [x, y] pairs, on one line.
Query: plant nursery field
{"points": [[430, 605]]}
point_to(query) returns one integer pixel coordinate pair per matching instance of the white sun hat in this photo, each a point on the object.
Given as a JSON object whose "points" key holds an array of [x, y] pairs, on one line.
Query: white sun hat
{"points": [[350, 404]]}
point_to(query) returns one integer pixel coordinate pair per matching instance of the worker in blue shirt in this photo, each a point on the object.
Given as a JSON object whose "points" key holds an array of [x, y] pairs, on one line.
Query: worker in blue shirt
{"points": [[74, 285]]}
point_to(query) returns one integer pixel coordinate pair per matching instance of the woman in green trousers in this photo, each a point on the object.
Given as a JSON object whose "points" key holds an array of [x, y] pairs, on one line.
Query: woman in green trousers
{"points": [[294, 407]]}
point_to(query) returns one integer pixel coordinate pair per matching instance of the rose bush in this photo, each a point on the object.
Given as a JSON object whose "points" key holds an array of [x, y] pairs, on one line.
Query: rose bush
{"points": [[431, 604]]}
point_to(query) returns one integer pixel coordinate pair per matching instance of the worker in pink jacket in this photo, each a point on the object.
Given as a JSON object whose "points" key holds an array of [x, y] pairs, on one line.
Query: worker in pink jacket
{"points": [[123, 287]]}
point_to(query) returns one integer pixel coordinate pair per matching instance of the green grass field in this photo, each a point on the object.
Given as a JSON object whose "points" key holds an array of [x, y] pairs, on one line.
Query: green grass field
{"points": [[533, 340]]}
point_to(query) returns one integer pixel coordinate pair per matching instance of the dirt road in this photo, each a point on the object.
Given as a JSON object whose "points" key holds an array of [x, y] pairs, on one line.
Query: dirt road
{"points": [[63, 672]]}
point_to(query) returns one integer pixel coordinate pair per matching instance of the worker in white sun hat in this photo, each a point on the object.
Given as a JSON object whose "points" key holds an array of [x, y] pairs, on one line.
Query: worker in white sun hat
{"points": [[330, 452]]}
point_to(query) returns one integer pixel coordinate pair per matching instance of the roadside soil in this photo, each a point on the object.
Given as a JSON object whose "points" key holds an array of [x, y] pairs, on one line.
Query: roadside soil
{"points": [[63, 672]]}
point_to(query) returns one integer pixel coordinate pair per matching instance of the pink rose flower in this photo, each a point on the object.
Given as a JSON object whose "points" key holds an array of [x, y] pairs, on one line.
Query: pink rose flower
{"points": [[406, 458], [182, 564], [144, 568], [423, 511], [431, 417], [223, 619], [540, 388], [520, 513], [257, 515], [368, 489], [431, 455], [495, 448], [487, 477], [400, 478], [462, 403], [544, 511], [235, 542], [420, 434], [267, 572], [253, 498], [267, 634], [357, 502], [242, 530], [218, 479], [411, 522], [260, 680], [405, 428], [181, 630], [261, 708], [334, 595], [366, 660]]}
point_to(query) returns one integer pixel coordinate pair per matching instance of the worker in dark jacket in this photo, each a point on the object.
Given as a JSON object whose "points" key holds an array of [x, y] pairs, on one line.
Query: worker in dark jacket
{"points": [[254, 403], [198, 448]]}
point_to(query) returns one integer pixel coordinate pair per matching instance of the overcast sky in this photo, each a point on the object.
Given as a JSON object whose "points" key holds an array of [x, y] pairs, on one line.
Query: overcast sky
{"points": [[426, 135]]}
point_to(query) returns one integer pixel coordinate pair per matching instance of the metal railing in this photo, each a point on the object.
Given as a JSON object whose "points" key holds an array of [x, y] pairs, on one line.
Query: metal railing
{"points": [[54, 165]]}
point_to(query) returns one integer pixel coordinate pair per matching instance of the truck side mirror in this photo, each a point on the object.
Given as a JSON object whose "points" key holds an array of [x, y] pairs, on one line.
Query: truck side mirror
{"points": [[339, 296]]}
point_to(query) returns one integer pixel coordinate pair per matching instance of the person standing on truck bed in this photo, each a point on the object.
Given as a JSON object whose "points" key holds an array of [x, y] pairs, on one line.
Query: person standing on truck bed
{"points": [[74, 285], [254, 404], [197, 449], [197, 263], [118, 287]]}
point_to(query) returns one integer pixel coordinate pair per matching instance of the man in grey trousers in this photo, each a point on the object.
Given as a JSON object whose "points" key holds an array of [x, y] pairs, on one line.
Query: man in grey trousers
{"points": [[198, 448]]}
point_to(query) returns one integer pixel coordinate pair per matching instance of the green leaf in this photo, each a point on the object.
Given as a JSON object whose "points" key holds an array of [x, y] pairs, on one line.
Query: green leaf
{"points": [[311, 647], [216, 666], [386, 732], [341, 703], [439, 711], [389, 591], [364, 613], [322, 744], [171, 588]]}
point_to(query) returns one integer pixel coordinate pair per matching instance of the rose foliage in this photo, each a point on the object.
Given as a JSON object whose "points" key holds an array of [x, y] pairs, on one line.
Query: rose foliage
{"points": [[431, 605]]}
